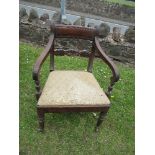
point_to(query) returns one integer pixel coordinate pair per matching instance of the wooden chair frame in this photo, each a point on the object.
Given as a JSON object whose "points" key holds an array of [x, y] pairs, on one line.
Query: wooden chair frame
{"points": [[67, 31]]}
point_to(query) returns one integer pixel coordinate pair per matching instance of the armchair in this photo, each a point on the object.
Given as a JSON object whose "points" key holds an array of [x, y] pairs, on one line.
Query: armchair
{"points": [[72, 91]]}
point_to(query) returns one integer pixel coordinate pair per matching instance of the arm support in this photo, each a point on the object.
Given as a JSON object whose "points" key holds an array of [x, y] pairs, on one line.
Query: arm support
{"points": [[112, 66], [42, 58], [39, 63]]}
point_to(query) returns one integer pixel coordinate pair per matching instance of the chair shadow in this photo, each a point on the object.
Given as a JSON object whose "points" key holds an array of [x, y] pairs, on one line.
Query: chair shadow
{"points": [[70, 120]]}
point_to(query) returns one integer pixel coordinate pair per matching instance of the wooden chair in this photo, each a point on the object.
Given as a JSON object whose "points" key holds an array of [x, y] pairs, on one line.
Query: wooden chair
{"points": [[72, 91]]}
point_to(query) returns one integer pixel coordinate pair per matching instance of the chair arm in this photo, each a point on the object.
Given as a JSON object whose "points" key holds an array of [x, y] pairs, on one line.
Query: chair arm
{"points": [[111, 65], [42, 58], [39, 63]]}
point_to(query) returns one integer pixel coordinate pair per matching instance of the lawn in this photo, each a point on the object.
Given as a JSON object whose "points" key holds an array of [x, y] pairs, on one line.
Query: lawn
{"points": [[73, 133], [123, 2]]}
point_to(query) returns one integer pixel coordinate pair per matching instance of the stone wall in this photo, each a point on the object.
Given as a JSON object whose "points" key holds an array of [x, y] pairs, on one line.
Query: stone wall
{"points": [[123, 52], [116, 46], [103, 8], [96, 7]]}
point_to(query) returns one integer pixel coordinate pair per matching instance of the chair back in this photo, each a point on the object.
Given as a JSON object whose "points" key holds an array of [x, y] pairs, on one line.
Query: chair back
{"points": [[75, 32], [72, 31]]}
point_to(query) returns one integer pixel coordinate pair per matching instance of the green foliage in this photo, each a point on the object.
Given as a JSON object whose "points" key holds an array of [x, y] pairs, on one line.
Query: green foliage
{"points": [[73, 133]]}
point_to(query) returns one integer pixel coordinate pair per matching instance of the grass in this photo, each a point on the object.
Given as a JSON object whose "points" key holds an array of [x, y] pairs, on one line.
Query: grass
{"points": [[123, 2], [73, 133]]}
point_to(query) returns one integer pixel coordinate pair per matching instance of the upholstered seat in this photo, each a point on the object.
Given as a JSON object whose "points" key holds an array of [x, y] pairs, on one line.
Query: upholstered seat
{"points": [[72, 88]]}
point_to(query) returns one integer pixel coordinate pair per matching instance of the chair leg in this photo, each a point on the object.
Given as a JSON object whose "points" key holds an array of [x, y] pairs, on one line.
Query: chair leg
{"points": [[101, 118], [41, 117]]}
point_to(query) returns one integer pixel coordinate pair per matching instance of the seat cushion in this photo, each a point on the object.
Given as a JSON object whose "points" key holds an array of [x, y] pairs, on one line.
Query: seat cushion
{"points": [[72, 88]]}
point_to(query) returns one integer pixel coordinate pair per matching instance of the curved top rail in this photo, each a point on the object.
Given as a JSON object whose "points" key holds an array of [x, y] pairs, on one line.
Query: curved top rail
{"points": [[72, 31]]}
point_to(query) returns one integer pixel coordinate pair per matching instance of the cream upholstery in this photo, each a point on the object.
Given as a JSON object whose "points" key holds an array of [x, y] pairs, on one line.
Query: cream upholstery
{"points": [[72, 88]]}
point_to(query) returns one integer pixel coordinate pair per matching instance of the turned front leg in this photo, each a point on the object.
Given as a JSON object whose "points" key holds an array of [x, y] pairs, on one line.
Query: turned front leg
{"points": [[41, 118], [101, 118], [38, 90]]}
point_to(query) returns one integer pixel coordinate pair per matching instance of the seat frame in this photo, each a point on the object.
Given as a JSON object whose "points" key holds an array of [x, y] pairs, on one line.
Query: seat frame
{"points": [[79, 32]]}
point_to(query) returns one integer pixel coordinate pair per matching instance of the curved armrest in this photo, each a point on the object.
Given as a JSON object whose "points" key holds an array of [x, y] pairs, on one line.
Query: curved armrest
{"points": [[39, 63], [107, 60], [112, 66], [42, 58]]}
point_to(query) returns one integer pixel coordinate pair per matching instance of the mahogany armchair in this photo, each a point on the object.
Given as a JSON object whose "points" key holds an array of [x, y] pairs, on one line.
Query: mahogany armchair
{"points": [[72, 91]]}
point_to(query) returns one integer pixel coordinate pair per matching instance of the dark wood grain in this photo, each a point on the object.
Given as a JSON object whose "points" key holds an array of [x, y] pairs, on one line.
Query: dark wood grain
{"points": [[52, 58], [38, 89], [101, 118], [41, 118], [42, 58], [72, 31], [91, 58], [38, 65], [60, 109], [110, 63]]}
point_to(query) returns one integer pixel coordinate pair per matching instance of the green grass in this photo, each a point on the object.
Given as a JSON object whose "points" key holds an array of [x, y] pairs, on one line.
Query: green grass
{"points": [[123, 2], [73, 133]]}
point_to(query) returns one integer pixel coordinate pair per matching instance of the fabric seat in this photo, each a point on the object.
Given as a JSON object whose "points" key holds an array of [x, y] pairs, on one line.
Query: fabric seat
{"points": [[72, 88]]}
